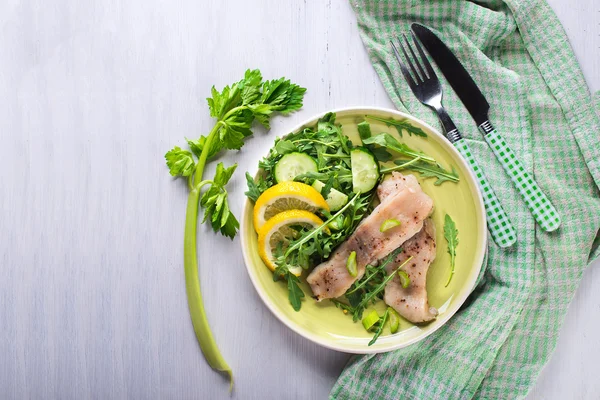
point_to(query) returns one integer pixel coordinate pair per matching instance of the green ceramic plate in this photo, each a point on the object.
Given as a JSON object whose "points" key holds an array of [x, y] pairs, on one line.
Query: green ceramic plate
{"points": [[325, 324]]}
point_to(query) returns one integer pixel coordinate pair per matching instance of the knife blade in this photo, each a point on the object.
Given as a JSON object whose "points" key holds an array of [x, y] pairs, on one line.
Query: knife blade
{"points": [[461, 81], [458, 77]]}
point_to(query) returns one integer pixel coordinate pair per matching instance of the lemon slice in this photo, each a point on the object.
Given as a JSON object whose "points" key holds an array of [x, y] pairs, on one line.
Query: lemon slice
{"points": [[279, 230], [286, 196]]}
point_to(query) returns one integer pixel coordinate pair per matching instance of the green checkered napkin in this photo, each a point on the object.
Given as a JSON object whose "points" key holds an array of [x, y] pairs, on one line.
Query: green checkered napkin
{"points": [[519, 55]]}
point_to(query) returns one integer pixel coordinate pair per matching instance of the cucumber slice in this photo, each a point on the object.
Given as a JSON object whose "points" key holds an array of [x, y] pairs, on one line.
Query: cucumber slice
{"points": [[293, 164], [335, 199], [365, 170]]}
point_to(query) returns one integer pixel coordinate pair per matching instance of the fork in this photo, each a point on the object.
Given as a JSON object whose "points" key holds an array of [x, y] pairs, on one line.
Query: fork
{"points": [[426, 87]]}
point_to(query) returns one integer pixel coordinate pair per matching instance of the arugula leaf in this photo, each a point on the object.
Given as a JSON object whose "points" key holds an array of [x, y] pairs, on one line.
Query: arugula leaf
{"points": [[180, 162], [402, 125], [370, 296], [369, 286], [381, 267], [302, 242], [380, 153], [328, 186], [343, 306], [380, 327], [255, 189], [326, 125], [326, 122], [388, 141], [284, 147], [295, 293], [432, 171], [451, 235]]}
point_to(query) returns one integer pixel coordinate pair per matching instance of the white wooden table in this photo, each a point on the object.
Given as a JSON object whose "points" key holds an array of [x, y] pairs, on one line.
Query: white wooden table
{"points": [[92, 94]]}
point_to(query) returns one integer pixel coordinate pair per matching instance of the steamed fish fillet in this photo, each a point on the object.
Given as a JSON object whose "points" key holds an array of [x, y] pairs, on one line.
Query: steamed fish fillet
{"points": [[412, 302], [404, 201], [395, 183]]}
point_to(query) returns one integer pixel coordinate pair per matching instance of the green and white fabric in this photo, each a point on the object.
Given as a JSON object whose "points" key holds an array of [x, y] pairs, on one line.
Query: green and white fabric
{"points": [[520, 57], [540, 206]]}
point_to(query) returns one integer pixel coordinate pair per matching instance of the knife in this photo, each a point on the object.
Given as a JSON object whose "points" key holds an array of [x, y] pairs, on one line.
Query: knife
{"points": [[538, 203], [428, 91]]}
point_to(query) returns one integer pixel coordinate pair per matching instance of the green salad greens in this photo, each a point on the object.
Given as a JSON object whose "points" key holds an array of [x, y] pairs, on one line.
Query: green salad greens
{"points": [[331, 163], [235, 109]]}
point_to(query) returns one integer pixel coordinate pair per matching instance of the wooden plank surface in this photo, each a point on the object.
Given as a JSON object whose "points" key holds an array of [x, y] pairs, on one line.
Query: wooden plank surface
{"points": [[92, 94]]}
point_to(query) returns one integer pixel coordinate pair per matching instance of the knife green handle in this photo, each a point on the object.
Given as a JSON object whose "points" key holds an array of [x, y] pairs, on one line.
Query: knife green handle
{"points": [[539, 205], [498, 222]]}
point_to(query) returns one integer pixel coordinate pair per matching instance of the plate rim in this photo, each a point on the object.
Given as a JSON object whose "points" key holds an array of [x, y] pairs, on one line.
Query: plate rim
{"points": [[480, 256]]}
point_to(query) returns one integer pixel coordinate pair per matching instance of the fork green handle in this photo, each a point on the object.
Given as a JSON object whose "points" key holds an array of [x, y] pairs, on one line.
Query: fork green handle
{"points": [[539, 205], [498, 222]]}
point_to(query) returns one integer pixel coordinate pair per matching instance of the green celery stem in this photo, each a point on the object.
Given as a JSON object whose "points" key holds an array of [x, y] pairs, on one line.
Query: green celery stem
{"points": [[199, 172], [190, 263]]}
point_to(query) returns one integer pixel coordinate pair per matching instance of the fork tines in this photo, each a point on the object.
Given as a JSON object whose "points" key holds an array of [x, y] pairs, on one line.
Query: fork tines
{"points": [[421, 63]]}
